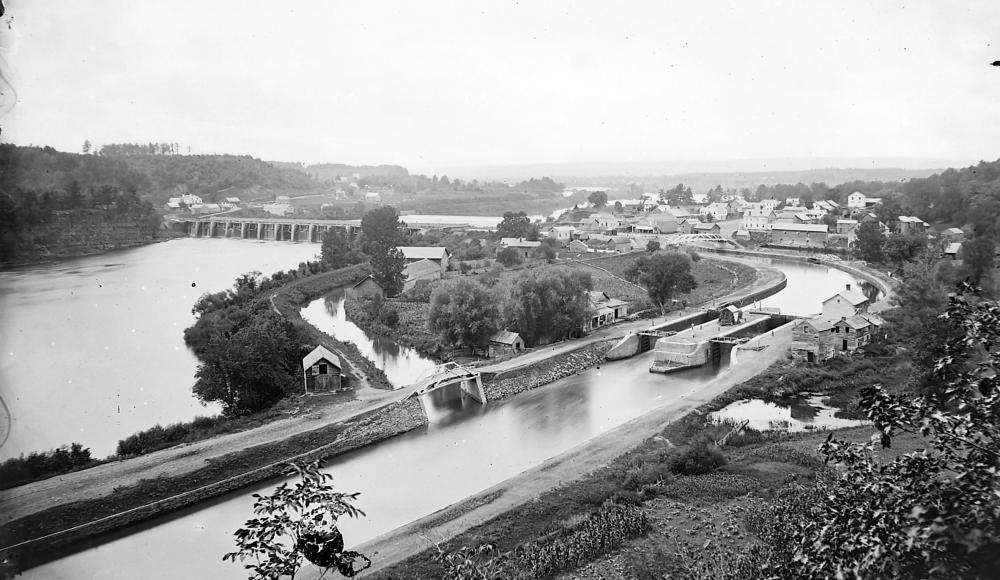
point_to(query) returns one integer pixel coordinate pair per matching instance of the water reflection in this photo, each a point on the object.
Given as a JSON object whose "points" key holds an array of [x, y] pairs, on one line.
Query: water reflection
{"points": [[401, 365], [798, 415]]}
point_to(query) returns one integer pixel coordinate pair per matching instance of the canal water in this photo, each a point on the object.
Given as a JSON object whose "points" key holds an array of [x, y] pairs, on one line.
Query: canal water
{"points": [[92, 350], [401, 364], [465, 449]]}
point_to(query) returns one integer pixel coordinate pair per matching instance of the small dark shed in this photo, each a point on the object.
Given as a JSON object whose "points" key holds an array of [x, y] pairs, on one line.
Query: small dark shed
{"points": [[321, 370], [367, 286], [730, 315]]}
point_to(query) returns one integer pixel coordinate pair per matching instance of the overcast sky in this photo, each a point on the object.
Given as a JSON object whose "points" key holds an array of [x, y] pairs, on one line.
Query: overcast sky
{"points": [[434, 84]]}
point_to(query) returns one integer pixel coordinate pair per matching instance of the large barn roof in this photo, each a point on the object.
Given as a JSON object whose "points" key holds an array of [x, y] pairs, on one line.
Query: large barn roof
{"points": [[320, 353]]}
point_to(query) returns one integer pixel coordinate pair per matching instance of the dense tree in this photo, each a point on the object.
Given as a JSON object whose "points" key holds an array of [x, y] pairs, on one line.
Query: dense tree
{"points": [[464, 313], [509, 257], [86, 146], [902, 248], [598, 198], [514, 225], [928, 513], [870, 242], [652, 246], [679, 195], [387, 269], [977, 257], [664, 276], [381, 230], [298, 523], [547, 250], [253, 364], [337, 250], [547, 305]]}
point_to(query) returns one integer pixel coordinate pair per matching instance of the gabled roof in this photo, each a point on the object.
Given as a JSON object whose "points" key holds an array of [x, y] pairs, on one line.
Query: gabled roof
{"points": [[911, 219], [820, 324], [854, 298], [519, 243], [366, 279], [598, 296], [421, 268], [815, 228], [505, 337], [953, 248], [613, 303], [847, 222], [705, 226], [953, 232], [320, 353], [422, 252], [857, 322]]}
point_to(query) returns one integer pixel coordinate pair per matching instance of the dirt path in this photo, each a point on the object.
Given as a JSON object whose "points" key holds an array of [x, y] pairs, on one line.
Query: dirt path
{"points": [[415, 537], [101, 480]]}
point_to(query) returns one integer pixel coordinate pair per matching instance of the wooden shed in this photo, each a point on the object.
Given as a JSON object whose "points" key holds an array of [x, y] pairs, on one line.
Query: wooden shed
{"points": [[730, 315], [321, 370], [367, 286], [505, 342]]}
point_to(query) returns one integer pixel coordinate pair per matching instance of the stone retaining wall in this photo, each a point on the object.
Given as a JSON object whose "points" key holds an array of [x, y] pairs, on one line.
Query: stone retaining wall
{"points": [[513, 382]]}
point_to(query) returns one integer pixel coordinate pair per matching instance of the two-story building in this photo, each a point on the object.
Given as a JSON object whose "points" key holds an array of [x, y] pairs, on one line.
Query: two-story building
{"points": [[437, 254], [792, 235], [844, 326], [758, 220], [523, 247], [909, 224]]}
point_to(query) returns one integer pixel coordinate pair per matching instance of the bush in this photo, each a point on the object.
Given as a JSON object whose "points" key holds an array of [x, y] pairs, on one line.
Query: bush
{"points": [[697, 459], [390, 317], [20, 470], [421, 291]]}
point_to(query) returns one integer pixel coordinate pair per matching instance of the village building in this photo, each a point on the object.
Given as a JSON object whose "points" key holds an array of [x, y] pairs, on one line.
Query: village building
{"points": [[437, 254], [793, 201], [846, 227], [706, 228], [757, 220], [619, 244], [577, 246], [604, 309], [524, 247], [718, 210], [687, 226], [953, 235], [321, 370], [844, 326], [951, 250], [424, 269], [373, 197], [562, 233], [173, 204], [912, 225], [230, 203], [858, 200], [658, 224], [769, 204], [366, 287], [606, 222], [505, 343], [799, 235]]}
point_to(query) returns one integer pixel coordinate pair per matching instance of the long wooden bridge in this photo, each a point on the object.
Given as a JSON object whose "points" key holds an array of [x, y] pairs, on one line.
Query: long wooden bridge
{"points": [[285, 229]]}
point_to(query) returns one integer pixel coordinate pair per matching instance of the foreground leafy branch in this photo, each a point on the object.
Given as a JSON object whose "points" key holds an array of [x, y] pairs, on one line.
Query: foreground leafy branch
{"points": [[296, 523]]}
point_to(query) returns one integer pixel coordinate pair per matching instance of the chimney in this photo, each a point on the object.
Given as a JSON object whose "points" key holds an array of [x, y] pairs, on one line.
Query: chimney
{"points": [[848, 287]]}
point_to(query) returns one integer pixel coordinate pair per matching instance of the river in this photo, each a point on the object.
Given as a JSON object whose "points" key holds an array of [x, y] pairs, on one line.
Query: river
{"points": [[92, 348], [465, 449]]}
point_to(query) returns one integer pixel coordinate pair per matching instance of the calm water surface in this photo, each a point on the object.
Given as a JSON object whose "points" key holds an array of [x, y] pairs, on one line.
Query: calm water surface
{"points": [[92, 350], [465, 449]]}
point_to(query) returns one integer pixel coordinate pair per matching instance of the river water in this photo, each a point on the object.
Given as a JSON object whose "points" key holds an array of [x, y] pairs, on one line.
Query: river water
{"points": [[465, 449], [92, 350]]}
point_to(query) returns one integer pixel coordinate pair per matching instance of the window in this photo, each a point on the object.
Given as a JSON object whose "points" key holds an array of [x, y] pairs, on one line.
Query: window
{"points": [[322, 369]]}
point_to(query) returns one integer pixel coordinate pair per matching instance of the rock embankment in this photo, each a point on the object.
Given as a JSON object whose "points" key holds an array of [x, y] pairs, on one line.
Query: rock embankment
{"points": [[517, 381]]}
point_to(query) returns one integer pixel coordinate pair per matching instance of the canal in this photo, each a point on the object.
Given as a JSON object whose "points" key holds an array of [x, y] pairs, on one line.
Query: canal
{"points": [[465, 449]]}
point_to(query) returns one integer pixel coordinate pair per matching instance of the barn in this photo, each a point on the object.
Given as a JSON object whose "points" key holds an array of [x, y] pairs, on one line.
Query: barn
{"points": [[321, 370]]}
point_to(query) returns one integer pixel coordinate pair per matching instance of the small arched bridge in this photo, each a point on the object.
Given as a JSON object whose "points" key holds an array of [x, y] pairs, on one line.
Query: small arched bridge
{"points": [[452, 373]]}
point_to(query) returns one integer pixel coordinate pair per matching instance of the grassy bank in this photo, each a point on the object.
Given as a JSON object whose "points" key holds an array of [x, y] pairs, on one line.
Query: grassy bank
{"points": [[154, 497]]}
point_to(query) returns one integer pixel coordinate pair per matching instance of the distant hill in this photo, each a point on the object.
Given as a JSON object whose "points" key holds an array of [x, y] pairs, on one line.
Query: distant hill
{"points": [[740, 173], [154, 177], [325, 171]]}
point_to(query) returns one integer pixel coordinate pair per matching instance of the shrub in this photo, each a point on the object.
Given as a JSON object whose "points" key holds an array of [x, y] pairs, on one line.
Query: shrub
{"points": [[390, 317], [697, 459], [20, 470]]}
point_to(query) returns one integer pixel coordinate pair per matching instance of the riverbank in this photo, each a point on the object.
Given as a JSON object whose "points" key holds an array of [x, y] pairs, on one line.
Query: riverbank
{"points": [[45, 535], [507, 384]]}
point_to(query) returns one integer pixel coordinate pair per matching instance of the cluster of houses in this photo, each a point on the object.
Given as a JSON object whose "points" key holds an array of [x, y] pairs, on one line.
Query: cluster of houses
{"points": [[844, 326], [195, 205]]}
